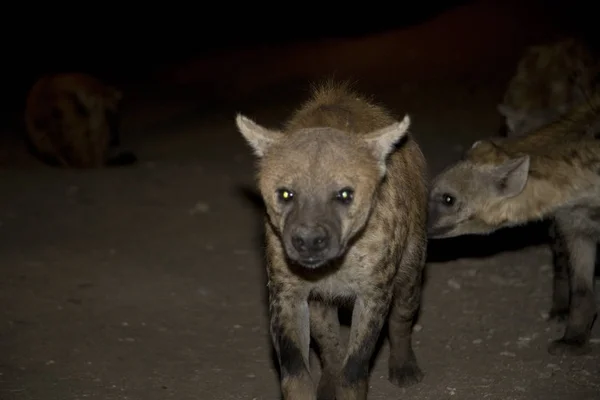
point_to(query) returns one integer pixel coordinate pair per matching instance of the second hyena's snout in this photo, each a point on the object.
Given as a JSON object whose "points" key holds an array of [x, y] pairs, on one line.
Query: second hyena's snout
{"points": [[311, 245]]}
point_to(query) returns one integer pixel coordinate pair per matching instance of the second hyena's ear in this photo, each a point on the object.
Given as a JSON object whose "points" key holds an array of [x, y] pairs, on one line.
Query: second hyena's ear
{"points": [[383, 141], [258, 137], [506, 111], [511, 176]]}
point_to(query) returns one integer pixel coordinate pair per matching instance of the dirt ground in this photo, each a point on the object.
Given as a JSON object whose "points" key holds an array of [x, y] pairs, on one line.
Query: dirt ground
{"points": [[147, 282]]}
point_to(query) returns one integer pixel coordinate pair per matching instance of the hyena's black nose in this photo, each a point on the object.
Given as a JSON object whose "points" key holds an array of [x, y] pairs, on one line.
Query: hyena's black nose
{"points": [[310, 240]]}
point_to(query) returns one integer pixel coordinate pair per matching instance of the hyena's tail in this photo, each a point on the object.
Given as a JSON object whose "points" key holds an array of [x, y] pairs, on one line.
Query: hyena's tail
{"points": [[122, 159]]}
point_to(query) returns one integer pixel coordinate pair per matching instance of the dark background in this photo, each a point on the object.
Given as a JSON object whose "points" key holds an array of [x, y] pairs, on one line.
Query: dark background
{"points": [[127, 43], [120, 39]]}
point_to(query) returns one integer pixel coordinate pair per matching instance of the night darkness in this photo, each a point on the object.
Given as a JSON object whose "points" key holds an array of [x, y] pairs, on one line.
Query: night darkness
{"points": [[117, 41], [128, 43], [146, 280]]}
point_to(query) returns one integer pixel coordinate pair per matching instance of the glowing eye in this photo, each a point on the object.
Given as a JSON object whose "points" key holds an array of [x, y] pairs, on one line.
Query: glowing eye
{"points": [[285, 195], [345, 195], [447, 199]]}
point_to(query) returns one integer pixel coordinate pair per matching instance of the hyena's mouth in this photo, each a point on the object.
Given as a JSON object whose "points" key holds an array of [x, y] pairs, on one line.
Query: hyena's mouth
{"points": [[312, 262], [440, 232]]}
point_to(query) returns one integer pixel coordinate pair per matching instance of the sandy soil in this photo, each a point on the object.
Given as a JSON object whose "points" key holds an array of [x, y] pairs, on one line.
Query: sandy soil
{"points": [[147, 282]]}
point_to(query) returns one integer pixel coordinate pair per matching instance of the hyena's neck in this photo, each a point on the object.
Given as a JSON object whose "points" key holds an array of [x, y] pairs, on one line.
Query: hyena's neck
{"points": [[540, 199]]}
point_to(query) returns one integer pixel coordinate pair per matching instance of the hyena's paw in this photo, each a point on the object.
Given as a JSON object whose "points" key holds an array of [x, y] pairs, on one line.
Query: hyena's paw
{"points": [[559, 314], [326, 389], [569, 347], [405, 375]]}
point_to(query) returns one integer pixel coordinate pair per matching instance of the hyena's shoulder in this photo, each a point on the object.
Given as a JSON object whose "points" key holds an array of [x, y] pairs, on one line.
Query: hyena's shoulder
{"points": [[571, 143], [67, 89], [66, 118], [59, 87], [553, 76]]}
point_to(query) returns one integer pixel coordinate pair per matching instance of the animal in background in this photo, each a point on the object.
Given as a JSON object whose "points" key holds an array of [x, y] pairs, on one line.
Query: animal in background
{"points": [[550, 79], [550, 173], [72, 120]]}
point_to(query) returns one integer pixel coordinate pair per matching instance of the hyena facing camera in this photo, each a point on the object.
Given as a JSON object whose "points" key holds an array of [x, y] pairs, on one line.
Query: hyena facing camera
{"points": [[346, 202]]}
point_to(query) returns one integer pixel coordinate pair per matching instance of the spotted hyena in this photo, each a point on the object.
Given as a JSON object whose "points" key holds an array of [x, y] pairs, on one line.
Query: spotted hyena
{"points": [[551, 78], [346, 204], [553, 172], [72, 121]]}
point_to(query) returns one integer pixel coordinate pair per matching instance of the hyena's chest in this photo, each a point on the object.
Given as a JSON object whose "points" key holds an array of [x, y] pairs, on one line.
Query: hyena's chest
{"points": [[348, 283]]}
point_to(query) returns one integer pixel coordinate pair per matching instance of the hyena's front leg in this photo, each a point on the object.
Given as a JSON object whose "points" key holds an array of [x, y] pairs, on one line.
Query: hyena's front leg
{"points": [[582, 310], [403, 367], [325, 330], [560, 262], [290, 330], [369, 315]]}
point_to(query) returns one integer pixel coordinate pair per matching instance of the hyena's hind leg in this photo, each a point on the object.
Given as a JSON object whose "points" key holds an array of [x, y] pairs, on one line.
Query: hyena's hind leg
{"points": [[560, 261], [325, 330], [403, 367]]}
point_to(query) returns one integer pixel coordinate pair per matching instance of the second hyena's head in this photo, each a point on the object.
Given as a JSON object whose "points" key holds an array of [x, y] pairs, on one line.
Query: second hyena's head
{"points": [[319, 184], [551, 78], [471, 196], [520, 122]]}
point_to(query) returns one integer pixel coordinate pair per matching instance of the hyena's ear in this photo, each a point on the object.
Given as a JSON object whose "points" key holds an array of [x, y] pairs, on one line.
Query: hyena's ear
{"points": [[486, 145], [510, 177], [505, 110], [480, 143], [258, 137], [511, 116], [383, 141]]}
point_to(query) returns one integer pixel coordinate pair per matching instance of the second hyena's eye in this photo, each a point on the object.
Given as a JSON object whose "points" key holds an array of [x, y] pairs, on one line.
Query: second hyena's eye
{"points": [[285, 195], [448, 199], [345, 196]]}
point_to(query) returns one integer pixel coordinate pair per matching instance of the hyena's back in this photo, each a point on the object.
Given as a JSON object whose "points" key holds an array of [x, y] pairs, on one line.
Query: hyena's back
{"points": [[336, 105], [70, 119], [553, 76]]}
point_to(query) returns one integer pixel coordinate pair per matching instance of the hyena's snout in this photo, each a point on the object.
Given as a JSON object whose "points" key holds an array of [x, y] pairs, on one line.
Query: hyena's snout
{"points": [[310, 241], [311, 245]]}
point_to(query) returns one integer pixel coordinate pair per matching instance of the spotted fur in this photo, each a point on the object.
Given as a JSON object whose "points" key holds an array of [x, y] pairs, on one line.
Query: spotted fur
{"points": [[550, 79], [345, 192]]}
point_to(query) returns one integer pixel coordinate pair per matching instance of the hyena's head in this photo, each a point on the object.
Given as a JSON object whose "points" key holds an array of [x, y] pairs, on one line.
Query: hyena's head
{"points": [[521, 122], [319, 184], [471, 196]]}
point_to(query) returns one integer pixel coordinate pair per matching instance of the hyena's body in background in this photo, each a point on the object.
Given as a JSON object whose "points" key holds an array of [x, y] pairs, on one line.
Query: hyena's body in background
{"points": [[72, 121], [553, 172], [345, 192], [550, 80]]}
